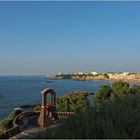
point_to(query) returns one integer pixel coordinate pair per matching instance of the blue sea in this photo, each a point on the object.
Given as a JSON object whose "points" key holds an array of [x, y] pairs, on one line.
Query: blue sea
{"points": [[21, 90]]}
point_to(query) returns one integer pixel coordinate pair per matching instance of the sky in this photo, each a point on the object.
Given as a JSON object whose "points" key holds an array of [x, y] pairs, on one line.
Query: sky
{"points": [[41, 38]]}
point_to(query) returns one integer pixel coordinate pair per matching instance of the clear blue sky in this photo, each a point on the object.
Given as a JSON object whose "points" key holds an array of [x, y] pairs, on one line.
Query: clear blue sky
{"points": [[48, 37]]}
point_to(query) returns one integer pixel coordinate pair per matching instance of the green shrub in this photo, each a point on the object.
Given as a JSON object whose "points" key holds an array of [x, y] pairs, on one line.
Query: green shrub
{"points": [[37, 108], [4, 124], [102, 95], [71, 103], [114, 119], [118, 89], [135, 89], [116, 114]]}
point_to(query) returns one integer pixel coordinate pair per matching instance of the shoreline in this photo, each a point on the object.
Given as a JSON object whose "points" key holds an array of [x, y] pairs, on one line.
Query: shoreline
{"points": [[130, 81]]}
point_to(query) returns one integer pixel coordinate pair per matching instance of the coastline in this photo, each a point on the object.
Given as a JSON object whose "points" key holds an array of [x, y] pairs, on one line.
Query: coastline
{"points": [[130, 81], [132, 78]]}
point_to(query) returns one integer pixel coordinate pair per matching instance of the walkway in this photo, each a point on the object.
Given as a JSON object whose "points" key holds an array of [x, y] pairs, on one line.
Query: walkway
{"points": [[31, 133]]}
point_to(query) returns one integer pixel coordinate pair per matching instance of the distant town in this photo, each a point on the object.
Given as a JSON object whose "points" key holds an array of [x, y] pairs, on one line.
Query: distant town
{"points": [[97, 76]]}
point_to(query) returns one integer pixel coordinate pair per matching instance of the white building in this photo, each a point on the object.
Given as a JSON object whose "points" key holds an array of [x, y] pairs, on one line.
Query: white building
{"points": [[86, 73], [75, 73], [94, 73], [120, 75], [125, 73], [80, 73]]}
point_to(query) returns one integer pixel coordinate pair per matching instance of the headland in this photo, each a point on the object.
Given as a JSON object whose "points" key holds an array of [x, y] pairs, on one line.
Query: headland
{"points": [[112, 76]]}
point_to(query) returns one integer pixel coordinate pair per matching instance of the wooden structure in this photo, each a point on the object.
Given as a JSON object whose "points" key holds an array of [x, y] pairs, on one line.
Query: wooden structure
{"points": [[44, 113]]}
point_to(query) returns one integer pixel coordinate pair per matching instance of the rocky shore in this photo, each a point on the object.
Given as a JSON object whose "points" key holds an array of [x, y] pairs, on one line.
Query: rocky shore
{"points": [[131, 78], [130, 81], [98, 77]]}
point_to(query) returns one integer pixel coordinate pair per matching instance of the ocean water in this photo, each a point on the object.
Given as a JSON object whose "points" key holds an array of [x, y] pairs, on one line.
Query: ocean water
{"points": [[21, 90]]}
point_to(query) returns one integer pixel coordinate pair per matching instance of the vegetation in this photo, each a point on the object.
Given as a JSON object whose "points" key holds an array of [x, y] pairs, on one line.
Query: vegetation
{"points": [[103, 94], [7, 122], [72, 103], [64, 76], [118, 89], [115, 115], [37, 108], [114, 119], [71, 76]]}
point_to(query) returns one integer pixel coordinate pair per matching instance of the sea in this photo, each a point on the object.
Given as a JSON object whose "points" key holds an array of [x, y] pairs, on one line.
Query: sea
{"points": [[21, 90]]}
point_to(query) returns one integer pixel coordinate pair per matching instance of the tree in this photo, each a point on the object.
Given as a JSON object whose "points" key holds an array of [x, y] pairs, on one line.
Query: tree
{"points": [[120, 88], [103, 94], [73, 102], [135, 90]]}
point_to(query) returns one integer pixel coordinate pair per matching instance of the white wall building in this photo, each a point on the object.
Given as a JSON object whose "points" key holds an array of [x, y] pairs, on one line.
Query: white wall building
{"points": [[75, 73], [94, 73], [117, 75], [80, 73]]}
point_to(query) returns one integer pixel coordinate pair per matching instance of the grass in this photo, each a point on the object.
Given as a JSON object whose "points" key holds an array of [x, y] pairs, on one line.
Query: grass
{"points": [[114, 119]]}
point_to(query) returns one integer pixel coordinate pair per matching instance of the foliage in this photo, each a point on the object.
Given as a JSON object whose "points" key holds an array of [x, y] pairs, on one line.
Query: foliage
{"points": [[116, 115], [72, 103], [106, 75], [114, 119], [37, 108], [64, 76], [135, 90], [103, 94], [4, 124], [69, 103], [118, 89]]}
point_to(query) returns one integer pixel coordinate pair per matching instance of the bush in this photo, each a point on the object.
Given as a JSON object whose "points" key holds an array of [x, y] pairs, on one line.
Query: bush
{"points": [[37, 108], [120, 88], [72, 103], [103, 94], [135, 90], [116, 115], [114, 119], [117, 90], [6, 123]]}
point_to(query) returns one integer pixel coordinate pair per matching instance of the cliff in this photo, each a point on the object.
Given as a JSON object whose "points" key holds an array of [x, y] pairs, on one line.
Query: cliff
{"points": [[87, 77]]}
